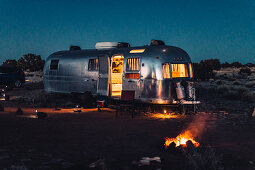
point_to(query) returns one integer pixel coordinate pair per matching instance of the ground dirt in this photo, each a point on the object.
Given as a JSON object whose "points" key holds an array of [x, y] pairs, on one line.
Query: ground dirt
{"points": [[74, 140]]}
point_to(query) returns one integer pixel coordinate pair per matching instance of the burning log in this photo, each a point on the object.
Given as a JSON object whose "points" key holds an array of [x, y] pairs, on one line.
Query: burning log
{"points": [[181, 140]]}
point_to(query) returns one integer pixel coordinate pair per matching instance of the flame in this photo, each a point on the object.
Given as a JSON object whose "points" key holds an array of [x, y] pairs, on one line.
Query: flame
{"points": [[181, 140]]}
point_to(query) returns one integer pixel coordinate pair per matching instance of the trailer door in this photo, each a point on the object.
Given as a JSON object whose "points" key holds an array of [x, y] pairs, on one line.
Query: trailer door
{"points": [[103, 78]]}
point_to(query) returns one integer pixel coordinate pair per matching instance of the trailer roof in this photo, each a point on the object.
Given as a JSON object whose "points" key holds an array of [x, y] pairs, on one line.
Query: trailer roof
{"points": [[166, 51]]}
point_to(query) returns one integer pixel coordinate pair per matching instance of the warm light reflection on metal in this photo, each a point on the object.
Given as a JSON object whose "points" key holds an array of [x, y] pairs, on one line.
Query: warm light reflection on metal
{"points": [[160, 89], [190, 70], [166, 70], [137, 51]]}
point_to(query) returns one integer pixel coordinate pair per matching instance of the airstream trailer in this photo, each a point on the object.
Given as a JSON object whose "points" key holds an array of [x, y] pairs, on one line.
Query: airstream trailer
{"points": [[156, 73]]}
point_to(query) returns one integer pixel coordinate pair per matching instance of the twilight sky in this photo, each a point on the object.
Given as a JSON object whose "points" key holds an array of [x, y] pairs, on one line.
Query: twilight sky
{"points": [[223, 29]]}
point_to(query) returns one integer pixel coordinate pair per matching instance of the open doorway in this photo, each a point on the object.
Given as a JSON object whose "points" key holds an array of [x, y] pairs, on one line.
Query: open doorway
{"points": [[116, 75]]}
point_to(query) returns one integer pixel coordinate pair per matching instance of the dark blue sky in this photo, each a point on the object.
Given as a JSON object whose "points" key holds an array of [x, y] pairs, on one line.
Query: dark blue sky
{"points": [[223, 29]]}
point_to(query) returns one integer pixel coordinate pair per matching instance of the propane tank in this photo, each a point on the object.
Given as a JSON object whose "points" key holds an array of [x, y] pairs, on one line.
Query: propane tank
{"points": [[180, 91], [191, 91]]}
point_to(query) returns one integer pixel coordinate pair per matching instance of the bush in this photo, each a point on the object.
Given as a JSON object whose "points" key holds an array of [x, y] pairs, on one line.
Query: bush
{"points": [[231, 94], [236, 93], [245, 70], [31, 62], [236, 64], [248, 96], [220, 82], [223, 88], [249, 65], [10, 63], [250, 84], [236, 82], [204, 69], [225, 65]]}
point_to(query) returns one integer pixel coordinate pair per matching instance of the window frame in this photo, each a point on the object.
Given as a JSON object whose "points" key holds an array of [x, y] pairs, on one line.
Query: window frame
{"points": [[171, 71], [51, 65], [139, 67], [96, 64]]}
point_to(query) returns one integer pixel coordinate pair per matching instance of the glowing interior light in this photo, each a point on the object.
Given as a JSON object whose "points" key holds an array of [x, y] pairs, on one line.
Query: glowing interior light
{"points": [[137, 51], [165, 111], [36, 111]]}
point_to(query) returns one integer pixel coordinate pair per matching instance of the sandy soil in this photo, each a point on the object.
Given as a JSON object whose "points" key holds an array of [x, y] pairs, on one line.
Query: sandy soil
{"points": [[73, 140]]}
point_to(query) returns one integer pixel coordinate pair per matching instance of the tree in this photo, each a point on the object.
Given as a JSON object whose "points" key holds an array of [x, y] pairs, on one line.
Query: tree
{"points": [[204, 69], [10, 63], [236, 64], [31, 62]]}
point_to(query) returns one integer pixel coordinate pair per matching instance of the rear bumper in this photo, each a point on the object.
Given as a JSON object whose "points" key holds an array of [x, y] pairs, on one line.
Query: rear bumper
{"points": [[169, 101], [187, 102]]}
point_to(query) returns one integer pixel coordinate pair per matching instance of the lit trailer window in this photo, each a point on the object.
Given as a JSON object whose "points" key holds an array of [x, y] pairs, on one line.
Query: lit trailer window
{"points": [[178, 70]]}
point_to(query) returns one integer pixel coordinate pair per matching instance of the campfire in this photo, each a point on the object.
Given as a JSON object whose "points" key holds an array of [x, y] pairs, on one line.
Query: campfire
{"points": [[181, 140]]}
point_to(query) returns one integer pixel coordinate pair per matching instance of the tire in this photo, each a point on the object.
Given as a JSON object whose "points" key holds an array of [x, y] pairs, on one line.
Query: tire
{"points": [[17, 84]]}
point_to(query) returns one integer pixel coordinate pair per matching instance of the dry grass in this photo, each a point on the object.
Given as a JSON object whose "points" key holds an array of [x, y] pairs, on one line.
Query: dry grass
{"points": [[250, 84], [202, 157], [237, 93], [220, 82], [237, 82]]}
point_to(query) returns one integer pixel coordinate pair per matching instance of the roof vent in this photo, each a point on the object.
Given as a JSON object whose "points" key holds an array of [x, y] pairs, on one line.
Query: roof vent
{"points": [[74, 48], [157, 42], [123, 44], [109, 45]]}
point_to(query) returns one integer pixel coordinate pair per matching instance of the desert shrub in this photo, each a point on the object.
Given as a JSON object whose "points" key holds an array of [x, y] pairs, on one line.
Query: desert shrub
{"points": [[220, 82], [249, 65], [31, 62], [223, 88], [236, 64], [10, 63], [248, 96], [202, 157], [236, 82], [245, 70], [241, 89], [231, 94], [225, 65], [204, 69], [250, 84]]}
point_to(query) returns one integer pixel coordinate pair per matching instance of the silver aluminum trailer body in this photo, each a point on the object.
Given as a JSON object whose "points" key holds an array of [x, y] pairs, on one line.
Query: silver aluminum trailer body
{"points": [[147, 70]]}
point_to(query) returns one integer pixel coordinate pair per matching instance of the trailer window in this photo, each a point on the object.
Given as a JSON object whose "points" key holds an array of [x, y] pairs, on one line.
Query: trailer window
{"points": [[179, 70], [166, 70], [54, 64], [133, 64], [190, 70], [93, 64]]}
